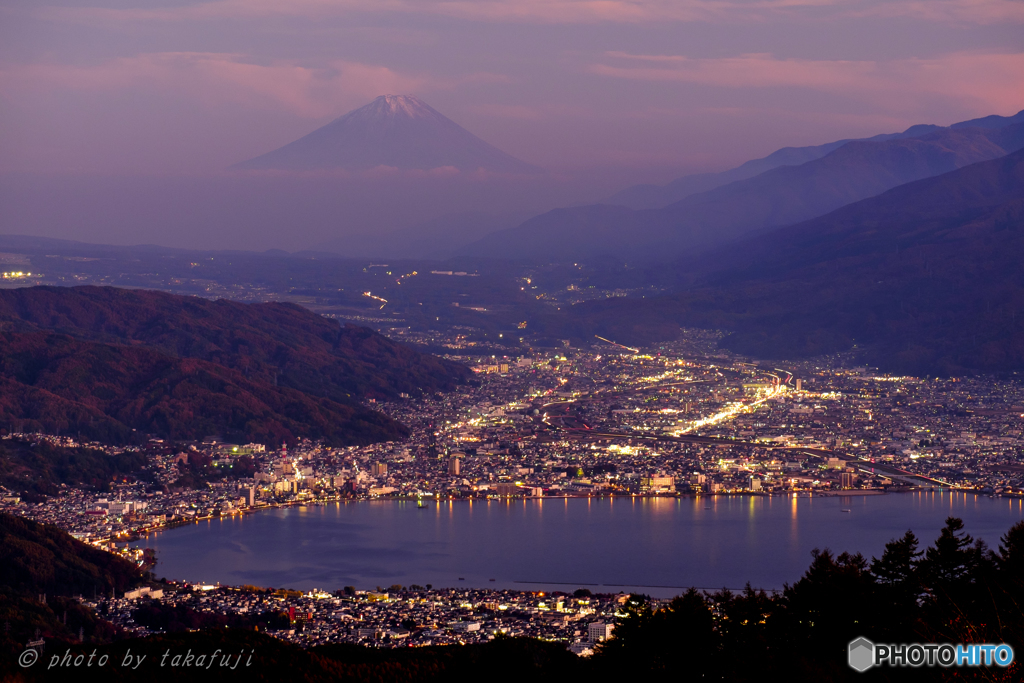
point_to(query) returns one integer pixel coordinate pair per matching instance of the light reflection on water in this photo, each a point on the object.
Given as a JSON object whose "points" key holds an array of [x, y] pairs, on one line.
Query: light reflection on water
{"points": [[662, 544]]}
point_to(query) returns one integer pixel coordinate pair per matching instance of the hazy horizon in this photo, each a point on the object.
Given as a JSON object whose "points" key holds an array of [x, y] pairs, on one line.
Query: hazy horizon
{"points": [[121, 118], [117, 85]]}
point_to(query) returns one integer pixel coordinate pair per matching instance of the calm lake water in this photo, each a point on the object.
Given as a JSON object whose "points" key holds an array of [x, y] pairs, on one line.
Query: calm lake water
{"points": [[659, 546]]}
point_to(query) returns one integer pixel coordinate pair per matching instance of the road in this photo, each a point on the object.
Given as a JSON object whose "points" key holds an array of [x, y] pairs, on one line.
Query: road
{"points": [[557, 417]]}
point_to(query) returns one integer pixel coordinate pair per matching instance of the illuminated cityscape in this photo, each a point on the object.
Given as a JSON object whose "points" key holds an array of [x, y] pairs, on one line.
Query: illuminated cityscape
{"points": [[602, 422]]}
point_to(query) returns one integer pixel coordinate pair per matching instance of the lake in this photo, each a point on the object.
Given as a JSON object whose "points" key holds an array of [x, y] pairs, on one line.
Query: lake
{"points": [[658, 546]]}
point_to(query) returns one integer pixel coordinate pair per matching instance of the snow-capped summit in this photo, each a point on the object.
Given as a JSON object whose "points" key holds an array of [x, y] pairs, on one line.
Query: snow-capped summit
{"points": [[399, 131], [397, 105]]}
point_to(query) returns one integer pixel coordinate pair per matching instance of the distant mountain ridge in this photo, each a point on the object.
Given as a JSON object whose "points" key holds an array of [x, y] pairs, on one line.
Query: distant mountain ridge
{"points": [[394, 131], [777, 197], [924, 279], [657, 196]]}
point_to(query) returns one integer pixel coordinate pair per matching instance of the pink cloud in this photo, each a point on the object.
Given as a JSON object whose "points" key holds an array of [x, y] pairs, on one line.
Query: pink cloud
{"points": [[949, 11], [219, 78], [557, 11], [993, 82], [546, 11]]}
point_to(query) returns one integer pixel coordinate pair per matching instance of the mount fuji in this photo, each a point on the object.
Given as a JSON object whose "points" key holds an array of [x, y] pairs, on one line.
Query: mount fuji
{"points": [[397, 131]]}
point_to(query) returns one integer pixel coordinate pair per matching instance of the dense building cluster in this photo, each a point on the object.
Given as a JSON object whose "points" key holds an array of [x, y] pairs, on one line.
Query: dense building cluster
{"points": [[389, 617]]}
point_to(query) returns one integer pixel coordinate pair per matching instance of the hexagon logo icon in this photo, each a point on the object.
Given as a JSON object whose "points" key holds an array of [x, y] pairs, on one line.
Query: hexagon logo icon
{"points": [[861, 653]]}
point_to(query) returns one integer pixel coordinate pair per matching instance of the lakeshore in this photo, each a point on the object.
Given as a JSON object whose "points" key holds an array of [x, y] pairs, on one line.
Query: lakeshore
{"points": [[143, 532], [654, 545]]}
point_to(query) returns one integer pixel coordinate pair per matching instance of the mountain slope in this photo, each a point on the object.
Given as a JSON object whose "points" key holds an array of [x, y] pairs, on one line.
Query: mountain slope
{"points": [[57, 384], [781, 196], [35, 469], [41, 568], [657, 196], [396, 131], [280, 344], [924, 279], [113, 364], [37, 558]]}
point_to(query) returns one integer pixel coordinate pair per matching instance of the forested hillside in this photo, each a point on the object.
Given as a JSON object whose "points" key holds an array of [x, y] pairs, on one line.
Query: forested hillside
{"points": [[114, 365]]}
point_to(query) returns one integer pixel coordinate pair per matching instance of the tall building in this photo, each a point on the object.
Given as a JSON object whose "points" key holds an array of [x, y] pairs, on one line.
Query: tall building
{"points": [[249, 494], [657, 483], [506, 489], [846, 480], [454, 466], [799, 385], [379, 469], [599, 631], [117, 507]]}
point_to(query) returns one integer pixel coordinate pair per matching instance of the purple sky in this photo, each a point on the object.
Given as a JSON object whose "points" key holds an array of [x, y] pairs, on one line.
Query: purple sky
{"points": [[179, 86]]}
